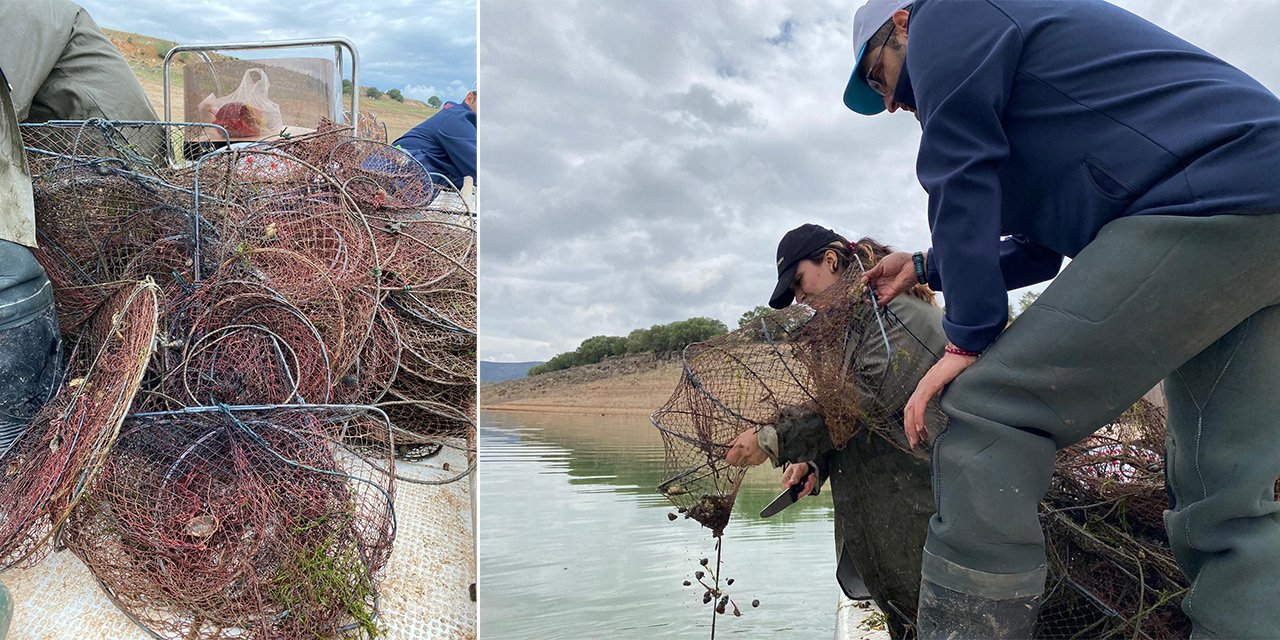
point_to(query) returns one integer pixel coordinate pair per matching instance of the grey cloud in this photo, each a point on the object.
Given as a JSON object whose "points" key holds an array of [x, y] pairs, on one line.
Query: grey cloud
{"points": [[605, 205], [709, 109], [641, 160], [784, 35]]}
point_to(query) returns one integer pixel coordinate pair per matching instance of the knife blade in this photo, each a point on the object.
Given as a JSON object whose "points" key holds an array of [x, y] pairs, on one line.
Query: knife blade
{"points": [[787, 498]]}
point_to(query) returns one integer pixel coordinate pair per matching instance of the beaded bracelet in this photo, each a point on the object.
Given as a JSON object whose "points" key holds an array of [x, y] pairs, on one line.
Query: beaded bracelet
{"points": [[952, 349], [917, 259]]}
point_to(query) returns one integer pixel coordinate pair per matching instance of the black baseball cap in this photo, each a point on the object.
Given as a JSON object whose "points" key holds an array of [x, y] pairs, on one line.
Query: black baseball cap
{"points": [[799, 243]]}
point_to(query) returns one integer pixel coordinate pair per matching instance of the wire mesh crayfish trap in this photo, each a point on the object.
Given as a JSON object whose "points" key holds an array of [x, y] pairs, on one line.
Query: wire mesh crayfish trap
{"points": [[229, 522], [841, 355], [142, 146], [382, 175], [262, 250], [398, 254], [1111, 573], [245, 343], [46, 470], [237, 502], [732, 383], [101, 227]]}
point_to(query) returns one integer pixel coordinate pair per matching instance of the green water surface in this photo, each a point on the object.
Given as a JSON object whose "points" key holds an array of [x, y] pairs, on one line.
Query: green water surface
{"points": [[575, 541]]}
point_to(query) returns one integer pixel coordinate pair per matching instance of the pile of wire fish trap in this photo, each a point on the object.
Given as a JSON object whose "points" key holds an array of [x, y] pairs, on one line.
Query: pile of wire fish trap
{"points": [[1111, 572], [254, 335]]}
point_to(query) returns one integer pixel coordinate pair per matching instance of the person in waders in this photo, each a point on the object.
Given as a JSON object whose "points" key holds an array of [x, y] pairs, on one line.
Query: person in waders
{"points": [[880, 491], [30, 348], [1077, 129]]}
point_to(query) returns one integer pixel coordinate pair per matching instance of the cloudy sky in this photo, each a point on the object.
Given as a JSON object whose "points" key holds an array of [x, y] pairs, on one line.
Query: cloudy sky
{"points": [[640, 161], [422, 47]]}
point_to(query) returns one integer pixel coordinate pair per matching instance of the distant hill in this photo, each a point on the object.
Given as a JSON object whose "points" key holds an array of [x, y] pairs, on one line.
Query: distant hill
{"points": [[503, 371], [633, 385]]}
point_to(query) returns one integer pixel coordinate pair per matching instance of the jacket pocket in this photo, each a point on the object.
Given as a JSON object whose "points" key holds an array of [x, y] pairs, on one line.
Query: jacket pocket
{"points": [[1105, 181]]}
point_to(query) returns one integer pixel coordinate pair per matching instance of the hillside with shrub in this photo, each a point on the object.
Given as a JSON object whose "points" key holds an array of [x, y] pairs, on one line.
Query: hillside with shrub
{"points": [[658, 339]]}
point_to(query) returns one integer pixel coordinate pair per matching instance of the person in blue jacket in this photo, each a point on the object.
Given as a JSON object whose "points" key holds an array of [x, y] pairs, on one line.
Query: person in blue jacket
{"points": [[1055, 128], [446, 142]]}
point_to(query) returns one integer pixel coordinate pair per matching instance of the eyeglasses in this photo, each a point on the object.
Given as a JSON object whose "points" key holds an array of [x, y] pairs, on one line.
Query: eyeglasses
{"points": [[878, 85]]}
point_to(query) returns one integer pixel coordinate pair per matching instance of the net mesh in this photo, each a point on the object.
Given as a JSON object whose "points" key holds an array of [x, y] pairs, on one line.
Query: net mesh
{"points": [[243, 522], [101, 227], [315, 269], [1111, 573], [48, 467], [149, 147], [733, 383], [840, 355]]}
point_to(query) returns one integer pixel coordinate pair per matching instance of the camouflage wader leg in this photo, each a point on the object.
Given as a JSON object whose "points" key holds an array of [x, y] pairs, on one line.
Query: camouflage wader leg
{"points": [[1143, 299]]}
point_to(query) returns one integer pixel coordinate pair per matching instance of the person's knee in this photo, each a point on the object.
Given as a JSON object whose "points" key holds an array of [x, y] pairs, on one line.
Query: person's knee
{"points": [[989, 479]]}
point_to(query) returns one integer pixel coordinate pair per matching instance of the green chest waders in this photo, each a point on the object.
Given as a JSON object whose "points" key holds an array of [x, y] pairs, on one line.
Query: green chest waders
{"points": [[1191, 300]]}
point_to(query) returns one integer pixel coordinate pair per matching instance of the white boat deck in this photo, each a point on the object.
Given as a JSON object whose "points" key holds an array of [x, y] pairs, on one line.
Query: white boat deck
{"points": [[858, 620]]}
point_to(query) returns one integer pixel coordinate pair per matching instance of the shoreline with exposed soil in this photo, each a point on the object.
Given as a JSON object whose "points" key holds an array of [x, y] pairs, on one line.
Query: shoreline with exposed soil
{"points": [[634, 385]]}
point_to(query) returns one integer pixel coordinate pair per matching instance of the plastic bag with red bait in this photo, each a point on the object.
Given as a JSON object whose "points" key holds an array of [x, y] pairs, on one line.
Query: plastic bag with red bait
{"points": [[247, 112]]}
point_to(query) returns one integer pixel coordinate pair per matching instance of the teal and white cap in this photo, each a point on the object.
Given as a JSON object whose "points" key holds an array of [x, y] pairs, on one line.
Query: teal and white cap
{"points": [[866, 22]]}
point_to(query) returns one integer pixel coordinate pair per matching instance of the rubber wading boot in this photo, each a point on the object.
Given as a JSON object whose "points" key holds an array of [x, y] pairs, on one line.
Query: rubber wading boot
{"points": [[950, 615]]}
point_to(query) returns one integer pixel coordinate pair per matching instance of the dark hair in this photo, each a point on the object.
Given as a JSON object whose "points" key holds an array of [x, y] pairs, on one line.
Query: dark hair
{"points": [[870, 251], [881, 36]]}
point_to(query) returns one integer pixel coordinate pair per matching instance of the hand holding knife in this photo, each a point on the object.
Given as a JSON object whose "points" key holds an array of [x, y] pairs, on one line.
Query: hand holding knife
{"points": [[792, 494]]}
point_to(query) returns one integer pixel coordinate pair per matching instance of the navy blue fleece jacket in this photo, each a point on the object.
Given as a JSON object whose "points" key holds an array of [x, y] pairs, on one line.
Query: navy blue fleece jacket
{"points": [[1043, 120], [445, 143]]}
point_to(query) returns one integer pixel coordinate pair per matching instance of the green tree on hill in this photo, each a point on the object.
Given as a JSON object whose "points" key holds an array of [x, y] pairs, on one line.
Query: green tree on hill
{"points": [[434, 102], [394, 94], [598, 348], [660, 338], [373, 92], [750, 317], [346, 87], [639, 341]]}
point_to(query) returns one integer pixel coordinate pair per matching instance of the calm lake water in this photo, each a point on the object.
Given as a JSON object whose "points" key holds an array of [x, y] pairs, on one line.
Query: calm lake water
{"points": [[575, 541]]}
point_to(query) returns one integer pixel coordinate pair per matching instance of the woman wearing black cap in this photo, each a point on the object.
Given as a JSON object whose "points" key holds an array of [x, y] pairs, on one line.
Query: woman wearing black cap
{"points": [[881, 492]]}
